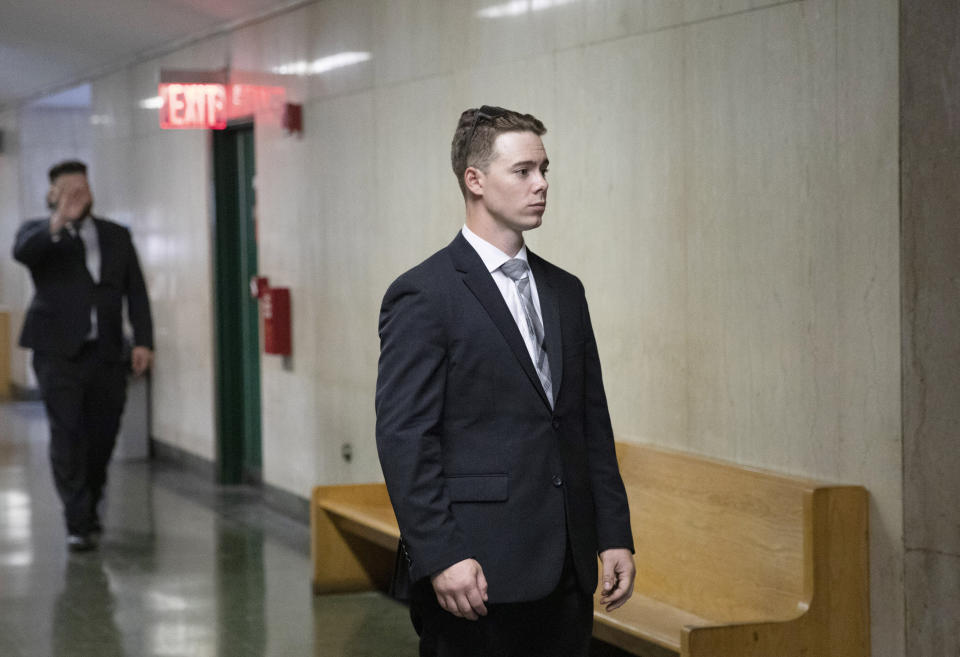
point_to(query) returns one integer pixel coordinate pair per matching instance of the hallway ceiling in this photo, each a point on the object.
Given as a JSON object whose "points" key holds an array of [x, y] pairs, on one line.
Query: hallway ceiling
{"points": [[49, 45]]}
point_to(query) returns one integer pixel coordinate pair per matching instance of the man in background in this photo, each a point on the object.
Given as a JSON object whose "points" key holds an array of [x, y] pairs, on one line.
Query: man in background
{"points": [[83, 268], [492, 423]]}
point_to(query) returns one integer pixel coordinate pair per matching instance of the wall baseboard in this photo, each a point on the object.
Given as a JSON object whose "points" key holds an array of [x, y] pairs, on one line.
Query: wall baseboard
{"points": [[182, 459], [284, 502]]}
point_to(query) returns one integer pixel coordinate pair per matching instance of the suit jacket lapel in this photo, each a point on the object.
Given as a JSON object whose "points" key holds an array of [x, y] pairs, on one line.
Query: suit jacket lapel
{"points": [[550, 311], [481, 284]]}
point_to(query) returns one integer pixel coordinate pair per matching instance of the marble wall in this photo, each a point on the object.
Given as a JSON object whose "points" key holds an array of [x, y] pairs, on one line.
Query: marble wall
{"points": [[724, 179], [930, 138], [13, 283], [159, 183]]}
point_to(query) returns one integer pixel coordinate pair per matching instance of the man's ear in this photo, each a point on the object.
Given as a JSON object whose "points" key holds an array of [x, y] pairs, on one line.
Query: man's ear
{"points": [[473, 178]]}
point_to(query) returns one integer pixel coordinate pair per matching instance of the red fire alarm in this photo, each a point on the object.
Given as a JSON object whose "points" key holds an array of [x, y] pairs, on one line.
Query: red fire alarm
{"points": [[276, 321], [293, 118]]}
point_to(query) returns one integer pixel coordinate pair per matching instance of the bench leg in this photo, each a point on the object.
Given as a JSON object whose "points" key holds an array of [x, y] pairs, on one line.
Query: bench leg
{"points": [[343, 562]]}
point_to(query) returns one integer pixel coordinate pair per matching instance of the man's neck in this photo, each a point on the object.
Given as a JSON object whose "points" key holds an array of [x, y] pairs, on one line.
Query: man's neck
{"points": [[508, 241]]}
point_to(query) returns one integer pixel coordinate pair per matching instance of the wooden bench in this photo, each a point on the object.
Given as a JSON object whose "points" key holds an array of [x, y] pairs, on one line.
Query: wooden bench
{"points": [[353, 538], [732, 561]]}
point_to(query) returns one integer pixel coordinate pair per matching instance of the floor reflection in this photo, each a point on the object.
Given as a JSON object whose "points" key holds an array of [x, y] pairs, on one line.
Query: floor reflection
{"points": [[186, 569], [83, 615], [361, 625], [241, 593]]}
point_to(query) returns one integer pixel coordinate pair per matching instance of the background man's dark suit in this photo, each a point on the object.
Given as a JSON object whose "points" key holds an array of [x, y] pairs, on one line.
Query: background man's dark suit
{"points": [[476, 462], [83, 383]]}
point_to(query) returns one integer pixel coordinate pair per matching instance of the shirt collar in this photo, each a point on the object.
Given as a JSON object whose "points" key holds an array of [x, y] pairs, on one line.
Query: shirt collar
{"points": [[492, 256], [85, 226]]}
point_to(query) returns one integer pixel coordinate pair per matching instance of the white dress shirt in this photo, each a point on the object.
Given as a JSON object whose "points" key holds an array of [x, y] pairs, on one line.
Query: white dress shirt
{"points": [[492, 258]]}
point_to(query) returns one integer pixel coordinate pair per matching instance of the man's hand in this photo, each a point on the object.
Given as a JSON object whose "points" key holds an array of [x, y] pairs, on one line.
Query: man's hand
{"points": [[71, 193], [462, 589], [618, 574], [141, 358]]}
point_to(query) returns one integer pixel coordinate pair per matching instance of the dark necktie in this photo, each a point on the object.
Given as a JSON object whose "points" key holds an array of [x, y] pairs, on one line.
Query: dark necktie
{"points": [[73, 230]]}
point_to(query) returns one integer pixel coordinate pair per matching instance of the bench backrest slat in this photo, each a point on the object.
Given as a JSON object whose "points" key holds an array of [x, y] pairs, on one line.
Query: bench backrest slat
{"points": [[719, 540]]}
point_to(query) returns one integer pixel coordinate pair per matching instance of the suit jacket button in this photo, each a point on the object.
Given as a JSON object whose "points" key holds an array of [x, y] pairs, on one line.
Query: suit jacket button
{"points": [[556, 423], [557, 481]]}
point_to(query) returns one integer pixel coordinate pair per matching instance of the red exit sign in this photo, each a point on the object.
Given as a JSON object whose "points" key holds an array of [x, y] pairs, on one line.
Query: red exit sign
{"points": [[211, 104], [193, 105]]}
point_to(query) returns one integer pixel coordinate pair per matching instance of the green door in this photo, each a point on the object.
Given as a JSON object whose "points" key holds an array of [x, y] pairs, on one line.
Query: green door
{"points": [[237, 319]]}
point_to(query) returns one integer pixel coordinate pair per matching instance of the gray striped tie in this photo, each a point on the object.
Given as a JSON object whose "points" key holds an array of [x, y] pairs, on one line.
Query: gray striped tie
{"points": [[517, 270]]}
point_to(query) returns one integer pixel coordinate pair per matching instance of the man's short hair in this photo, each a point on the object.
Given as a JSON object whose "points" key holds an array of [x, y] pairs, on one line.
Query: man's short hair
{"points": [[476, 132], [67, 166]]}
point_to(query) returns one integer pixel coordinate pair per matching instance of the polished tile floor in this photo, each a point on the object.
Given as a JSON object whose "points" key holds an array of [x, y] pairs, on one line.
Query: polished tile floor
{"points": [[186, 569]]}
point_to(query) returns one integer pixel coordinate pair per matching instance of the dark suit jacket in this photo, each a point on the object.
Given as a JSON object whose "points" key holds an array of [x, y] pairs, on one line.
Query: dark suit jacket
{"points": [[476, 463], [58, 319]]}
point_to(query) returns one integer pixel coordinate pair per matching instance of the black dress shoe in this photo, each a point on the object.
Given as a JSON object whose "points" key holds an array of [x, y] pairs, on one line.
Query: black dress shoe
{"points": [[81, 542]]}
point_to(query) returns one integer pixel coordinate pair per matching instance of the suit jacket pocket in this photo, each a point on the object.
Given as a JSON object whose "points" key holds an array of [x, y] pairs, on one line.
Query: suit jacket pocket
{"points": [[478, 488]]}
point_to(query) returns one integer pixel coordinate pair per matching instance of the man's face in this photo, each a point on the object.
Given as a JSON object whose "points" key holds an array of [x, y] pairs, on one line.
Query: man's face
{"points": [[515, 184], [72, 187]]}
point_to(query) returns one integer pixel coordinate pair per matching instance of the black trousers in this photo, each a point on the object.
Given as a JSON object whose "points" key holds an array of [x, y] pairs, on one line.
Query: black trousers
{"points": [[559, 625], [84, 397]]}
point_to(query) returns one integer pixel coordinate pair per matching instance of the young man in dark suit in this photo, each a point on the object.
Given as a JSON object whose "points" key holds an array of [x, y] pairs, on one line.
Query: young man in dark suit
{"points": [[492, 423], [83, 268]]}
